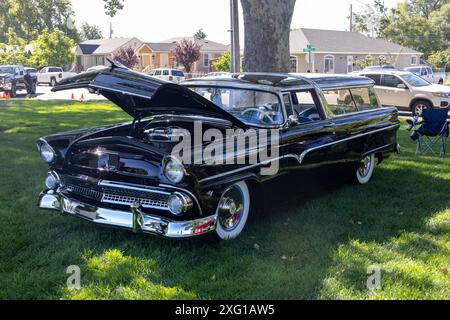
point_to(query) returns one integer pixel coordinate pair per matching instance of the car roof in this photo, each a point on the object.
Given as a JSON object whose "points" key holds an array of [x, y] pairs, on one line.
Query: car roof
{"points": [[389, 72], [283, 81]]}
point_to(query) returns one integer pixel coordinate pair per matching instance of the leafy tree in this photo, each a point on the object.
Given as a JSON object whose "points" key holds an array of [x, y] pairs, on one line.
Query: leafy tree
{"points": [[126, 56], [53, 48], [223, 64], [426, 7], [364, 63], [267, 28], [113, 6], [440, 59], [200, 35], [90, 31], [187, 53], [14, 55], [29, 18]]}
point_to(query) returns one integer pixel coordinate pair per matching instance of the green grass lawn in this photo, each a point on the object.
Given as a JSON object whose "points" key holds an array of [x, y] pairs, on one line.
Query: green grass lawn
{"points": [[307, 246]]}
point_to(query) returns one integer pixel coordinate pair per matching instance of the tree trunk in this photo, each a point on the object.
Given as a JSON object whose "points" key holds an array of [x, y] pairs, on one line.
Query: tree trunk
{"points": [[267, 28]]}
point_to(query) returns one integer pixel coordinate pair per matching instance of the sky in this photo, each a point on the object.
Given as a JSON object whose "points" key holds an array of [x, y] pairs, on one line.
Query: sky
{"points": [[158, 20]]}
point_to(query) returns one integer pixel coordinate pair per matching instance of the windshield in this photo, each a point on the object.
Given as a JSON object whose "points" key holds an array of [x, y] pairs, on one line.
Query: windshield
{"points": [[415, 81], [6, 70], [251, 107]]}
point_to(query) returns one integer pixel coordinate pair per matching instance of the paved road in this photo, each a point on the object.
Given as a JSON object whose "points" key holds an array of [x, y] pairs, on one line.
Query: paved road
{"points": [[44, 93]]}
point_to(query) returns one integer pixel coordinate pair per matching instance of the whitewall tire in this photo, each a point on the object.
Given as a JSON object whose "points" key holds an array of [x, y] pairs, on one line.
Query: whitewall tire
{"points": [[233, 211], [365, 169]]}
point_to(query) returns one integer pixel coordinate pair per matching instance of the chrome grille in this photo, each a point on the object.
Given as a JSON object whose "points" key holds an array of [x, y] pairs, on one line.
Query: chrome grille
{"points": [[120, 195]]}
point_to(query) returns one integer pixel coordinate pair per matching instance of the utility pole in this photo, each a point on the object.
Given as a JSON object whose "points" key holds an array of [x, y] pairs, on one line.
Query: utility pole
{"points": [[351, 17], [110, 30], [235, 45]]}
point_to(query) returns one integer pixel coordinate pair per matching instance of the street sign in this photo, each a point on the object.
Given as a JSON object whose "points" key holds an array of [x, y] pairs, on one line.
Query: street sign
{"points": [[309, 50]]}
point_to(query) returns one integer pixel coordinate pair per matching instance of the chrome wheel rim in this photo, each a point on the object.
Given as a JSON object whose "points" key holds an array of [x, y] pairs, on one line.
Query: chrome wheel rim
{"points": [[365, 166], [231, 209], [419, 109]]}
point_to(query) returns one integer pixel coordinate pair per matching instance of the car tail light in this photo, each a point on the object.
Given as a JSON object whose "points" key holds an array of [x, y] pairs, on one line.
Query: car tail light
{"points": [[170, 78]]}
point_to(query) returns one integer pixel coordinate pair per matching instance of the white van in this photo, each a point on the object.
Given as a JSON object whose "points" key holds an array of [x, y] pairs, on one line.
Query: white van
{"points": [[172, 75]]}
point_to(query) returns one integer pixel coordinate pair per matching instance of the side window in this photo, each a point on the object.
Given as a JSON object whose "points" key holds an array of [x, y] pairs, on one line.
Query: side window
{"points": [[391, 81], [305, 106], [365, 98], [340, 102], [157, 72], [375, 77], [165, 72], [288, 104]]}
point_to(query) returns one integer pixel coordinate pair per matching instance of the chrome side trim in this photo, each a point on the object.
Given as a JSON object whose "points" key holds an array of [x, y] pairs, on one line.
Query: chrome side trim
{"points": [[378, 149], [300, 158], [306, 152]]}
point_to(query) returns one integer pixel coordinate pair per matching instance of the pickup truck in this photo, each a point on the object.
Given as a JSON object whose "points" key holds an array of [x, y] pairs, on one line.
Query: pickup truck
{"points": [[12, 79], [52, 75], [427, 73]]}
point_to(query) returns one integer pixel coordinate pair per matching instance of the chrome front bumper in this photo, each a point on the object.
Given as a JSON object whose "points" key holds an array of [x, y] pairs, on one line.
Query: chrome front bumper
{"points": [[134, 220]]}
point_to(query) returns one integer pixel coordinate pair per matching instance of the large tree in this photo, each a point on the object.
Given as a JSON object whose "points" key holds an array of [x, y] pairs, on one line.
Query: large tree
{"points": [[90, 31], [267, 28], [126, 56], [53, 48], [27, 19]]}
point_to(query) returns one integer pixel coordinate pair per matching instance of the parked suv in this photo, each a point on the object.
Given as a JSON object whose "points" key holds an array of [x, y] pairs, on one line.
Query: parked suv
{"points": [[12, 79], [407, 91], [427, 73], [171, 75]]}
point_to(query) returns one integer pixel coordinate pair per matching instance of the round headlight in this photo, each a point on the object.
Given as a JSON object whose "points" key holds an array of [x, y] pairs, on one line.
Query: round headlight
{"points": [[47, 153], [174, 171], [179, 203], [52, 181]]}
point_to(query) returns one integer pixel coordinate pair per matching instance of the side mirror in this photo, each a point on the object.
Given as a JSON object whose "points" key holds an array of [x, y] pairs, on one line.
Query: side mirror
{"points": [[401, 86], [293, 121]]}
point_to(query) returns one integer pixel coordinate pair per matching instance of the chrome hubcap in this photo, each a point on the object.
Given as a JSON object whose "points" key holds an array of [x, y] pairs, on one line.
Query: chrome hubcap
{"points": [[419, 109], [365, 167], [231, 207]]}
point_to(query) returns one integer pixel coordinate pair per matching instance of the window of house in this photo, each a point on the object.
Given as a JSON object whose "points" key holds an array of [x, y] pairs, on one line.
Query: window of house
{"points": [[391, 81], [329, 64], [293, 64], [340, 102], [206, 60], [365, 98], [414, 60], [99, 60], [350, 63]]}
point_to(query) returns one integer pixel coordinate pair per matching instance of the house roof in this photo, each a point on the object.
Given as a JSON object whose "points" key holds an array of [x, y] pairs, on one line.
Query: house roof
{"points": [[160, 46], [333, 41], [103, 46], [207, 45]]}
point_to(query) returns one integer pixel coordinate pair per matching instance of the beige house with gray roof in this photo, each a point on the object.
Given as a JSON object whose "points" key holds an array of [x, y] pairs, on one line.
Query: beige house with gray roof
{"points": [[93, 53], [338, 51]]}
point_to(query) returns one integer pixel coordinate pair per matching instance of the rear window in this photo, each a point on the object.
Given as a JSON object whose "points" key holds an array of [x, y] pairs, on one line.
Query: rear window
{"points": [[374, 77], [54, 70], [177, 73], [340, 102]]}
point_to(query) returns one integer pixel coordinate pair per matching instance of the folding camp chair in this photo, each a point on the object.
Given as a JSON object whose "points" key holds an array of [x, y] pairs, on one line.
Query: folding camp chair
{"points": [[432, 130]]}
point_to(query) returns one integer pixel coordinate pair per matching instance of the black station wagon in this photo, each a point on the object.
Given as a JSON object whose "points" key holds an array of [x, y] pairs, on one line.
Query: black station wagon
{"points": [[129, 176]]}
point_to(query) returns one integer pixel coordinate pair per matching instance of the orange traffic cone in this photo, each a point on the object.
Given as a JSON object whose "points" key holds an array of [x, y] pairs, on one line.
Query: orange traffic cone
{"points": [[82, 97], [3, 96], [72, 97]]}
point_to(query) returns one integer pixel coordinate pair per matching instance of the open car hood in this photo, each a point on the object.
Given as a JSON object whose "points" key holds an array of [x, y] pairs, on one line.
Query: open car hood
{"points": [[142, 96]]}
